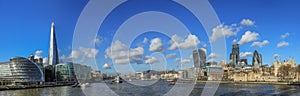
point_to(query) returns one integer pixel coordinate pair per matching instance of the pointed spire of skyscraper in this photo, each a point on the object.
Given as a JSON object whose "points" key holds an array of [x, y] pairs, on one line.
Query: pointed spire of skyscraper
{"points": [[53, 52]]}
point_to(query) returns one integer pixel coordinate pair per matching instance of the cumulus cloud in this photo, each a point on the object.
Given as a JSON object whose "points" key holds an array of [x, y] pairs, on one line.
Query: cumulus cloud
{"points": [[223, 31], [248, 37], [234, 41], [213, 55], [106, 66], [145, 40], [282, 44], [63, 57], [74, 54], [156, 45], [275, 56], [183, 61], [121, 54], [285, 35], [260, 44], [245, 54], [247, 22], [171, 55], [190, 42], [38, 54], [98, 41], [191, 56], [82, 54], [151, 60], [89, 52]]}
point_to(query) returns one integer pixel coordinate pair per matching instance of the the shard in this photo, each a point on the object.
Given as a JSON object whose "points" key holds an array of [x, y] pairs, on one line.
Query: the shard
{"points": [[53, 52]]}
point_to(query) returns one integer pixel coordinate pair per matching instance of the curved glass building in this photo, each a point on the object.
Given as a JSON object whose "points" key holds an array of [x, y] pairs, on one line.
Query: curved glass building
{"points": [[22, 72]]}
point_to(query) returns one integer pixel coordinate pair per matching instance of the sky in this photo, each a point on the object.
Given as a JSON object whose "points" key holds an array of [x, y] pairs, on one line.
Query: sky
{"points": [[268, 26]]}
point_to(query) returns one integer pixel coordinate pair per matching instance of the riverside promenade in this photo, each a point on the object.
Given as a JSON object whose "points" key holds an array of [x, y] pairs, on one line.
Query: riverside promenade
{"points": [[248, 82], [48, 84]]}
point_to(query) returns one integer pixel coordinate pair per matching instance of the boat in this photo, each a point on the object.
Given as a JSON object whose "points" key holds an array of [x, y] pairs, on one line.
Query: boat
{"points": [[172, 81], [118, 79], [75, 85]]}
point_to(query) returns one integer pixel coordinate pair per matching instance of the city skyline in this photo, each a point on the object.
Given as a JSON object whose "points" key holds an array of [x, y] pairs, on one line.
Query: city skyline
{"points": [[269, 32]]}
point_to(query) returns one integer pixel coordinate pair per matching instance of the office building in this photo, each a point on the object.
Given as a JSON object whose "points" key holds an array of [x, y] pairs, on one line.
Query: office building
{"points": [[53, 51], [257, 59], [199, 57], [20, 71], [52, 56], [244, 61], [235, 56], [65, 72]]}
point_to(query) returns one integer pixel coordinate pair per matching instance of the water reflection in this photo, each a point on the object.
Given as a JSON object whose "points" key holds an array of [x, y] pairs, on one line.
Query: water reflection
{"points": [[48, 91], [101, 89]]}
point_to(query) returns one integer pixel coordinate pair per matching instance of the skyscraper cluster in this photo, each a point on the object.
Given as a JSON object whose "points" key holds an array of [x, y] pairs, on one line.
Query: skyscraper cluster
{"points": [[236, 62]]}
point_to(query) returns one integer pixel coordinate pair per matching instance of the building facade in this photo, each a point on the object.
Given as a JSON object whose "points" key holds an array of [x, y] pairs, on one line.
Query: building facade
{"points": [[53, 51], [65, 72], [52, 56], [257, 59], [235, 55], [199, 57], [20, 71], [82, 72]]}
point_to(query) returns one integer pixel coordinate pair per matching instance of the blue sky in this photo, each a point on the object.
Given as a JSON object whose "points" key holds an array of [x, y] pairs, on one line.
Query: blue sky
{"points": [[25, 29]]}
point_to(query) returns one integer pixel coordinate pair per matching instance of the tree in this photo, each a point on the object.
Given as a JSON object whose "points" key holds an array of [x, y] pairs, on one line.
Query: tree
{"points": [[298, 69], [286, 72]]}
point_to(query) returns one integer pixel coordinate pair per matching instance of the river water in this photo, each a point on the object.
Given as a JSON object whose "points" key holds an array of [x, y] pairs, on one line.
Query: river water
{"points": [[156, 89]]}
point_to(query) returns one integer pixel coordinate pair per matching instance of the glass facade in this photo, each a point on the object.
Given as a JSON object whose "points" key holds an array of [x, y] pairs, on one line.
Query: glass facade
{"points": [[82, 72], [71, 71], [65, 72], [20, 71]]}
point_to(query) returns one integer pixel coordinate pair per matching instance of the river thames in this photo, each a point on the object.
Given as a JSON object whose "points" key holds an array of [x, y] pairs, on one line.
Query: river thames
{"points": [[125, 89]]}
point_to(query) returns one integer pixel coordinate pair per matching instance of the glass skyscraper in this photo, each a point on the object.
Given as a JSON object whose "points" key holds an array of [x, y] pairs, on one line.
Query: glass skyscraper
{"points": [[235, 55], [53, 52]]}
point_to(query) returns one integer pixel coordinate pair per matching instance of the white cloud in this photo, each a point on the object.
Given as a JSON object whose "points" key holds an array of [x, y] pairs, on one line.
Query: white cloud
{"points": [[89, 52], [74, 54], [171, 55], [177, 59], [223, 31], [260, 44], [63, 57], [248, 37], [38, 54], [204, 45], [190, 42], [245, 54], [156, 45], [275, 56], [151, 60], [191, 56], [211, 60], [282, 44], [106, 66], [145, 40], [213, 55], [121, 54], [98, 41], [285, 35], [234, 41], [247, 22], [183, 61]]}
